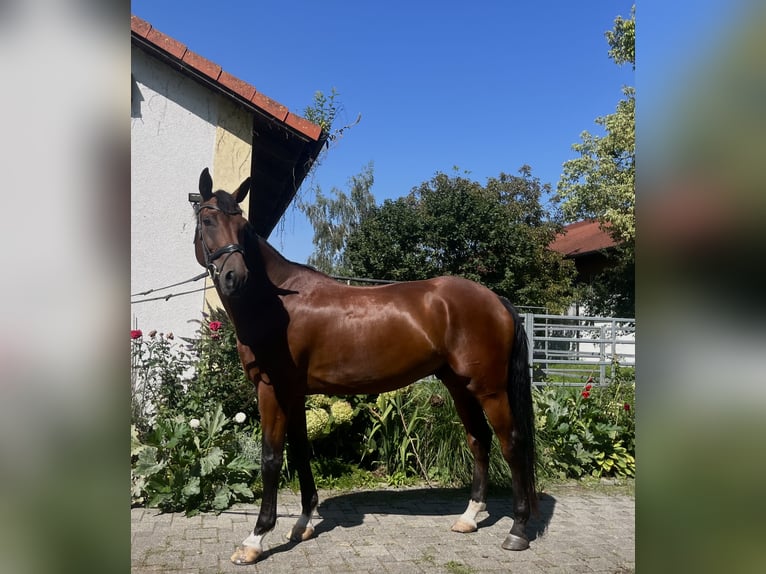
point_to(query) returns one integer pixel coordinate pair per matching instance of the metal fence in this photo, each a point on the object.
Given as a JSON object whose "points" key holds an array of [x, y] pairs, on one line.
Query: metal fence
{"points": [[569, 350]]}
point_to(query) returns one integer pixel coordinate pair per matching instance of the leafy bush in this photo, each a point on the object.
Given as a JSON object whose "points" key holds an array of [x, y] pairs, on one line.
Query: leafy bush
{"points": [[583, 431], [180, 462], [169, 378], [158, 364], [218, 375], [192, 466], [588, 430], [417, 431]]}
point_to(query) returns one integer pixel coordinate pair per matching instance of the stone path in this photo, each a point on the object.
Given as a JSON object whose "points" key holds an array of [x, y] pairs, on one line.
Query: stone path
{"points": [[397, 531]]}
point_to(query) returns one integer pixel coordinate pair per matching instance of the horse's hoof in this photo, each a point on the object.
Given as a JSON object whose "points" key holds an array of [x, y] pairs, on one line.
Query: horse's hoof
{"points": [[245, 555], [513, 542], [464, 527], [300, 534]]}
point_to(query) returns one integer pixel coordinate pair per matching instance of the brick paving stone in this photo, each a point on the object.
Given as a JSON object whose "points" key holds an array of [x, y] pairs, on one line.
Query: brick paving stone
{"points": [[394, 531]]}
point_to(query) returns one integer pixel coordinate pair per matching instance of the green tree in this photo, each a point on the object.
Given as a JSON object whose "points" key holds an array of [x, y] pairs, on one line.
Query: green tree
{"points": [[335, 217], [495, 234], [600, 185], [622, 40]]}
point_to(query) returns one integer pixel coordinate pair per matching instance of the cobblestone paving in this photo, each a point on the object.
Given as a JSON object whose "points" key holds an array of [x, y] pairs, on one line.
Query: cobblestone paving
{"points": [[397, 531]]}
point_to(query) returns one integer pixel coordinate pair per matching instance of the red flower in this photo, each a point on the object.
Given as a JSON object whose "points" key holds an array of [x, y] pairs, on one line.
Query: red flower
{"points": [[215, 325], [585, 394], [136, 334], [588, 387], [626, 406]]}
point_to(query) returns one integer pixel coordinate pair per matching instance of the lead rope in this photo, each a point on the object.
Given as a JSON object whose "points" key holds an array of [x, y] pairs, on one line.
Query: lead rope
{"points": [[166, 297]]}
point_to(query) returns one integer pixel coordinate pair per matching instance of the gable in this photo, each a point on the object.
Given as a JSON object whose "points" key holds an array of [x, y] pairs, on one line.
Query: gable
{"points": [[284, 145]]}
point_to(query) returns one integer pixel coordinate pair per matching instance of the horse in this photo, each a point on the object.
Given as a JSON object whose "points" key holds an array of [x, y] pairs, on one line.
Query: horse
{"points": [[300, 332]]}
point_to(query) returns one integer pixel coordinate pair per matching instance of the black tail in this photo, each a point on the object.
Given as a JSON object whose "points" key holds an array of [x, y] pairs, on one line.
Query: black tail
{"points": [[522, 406]]}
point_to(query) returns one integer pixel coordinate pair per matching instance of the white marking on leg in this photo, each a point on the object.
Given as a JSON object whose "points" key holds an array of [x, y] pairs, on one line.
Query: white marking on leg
{"points": [[250, 550], [470, 514], [303, 529], [254, 541]]}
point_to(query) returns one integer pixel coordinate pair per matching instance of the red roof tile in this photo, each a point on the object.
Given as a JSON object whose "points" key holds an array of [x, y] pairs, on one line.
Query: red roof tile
{"points": [[171, 46], [139, 27], [303, 125], [242, 91], [236, 85], [581, 238]]}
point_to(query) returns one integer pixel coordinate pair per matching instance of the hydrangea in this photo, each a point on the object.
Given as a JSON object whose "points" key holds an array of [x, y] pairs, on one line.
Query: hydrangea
{"points": [[316, 423], [318, 401], [194, 423], [341, 412], [239, 418]]}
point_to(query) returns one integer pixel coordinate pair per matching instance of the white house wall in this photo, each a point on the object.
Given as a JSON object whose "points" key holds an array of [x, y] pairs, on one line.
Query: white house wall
{"points": [[173, 136]]}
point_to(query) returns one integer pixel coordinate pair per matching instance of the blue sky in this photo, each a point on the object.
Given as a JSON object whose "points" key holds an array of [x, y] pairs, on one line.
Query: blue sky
{"points": [[486, 87]]}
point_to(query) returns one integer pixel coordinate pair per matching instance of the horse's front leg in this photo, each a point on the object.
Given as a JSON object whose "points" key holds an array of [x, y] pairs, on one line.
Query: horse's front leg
{"points": [[274, 424], [299, 452]]}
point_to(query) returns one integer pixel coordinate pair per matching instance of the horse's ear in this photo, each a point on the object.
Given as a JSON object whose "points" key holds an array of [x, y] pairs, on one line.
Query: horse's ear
{"points": [[242, 190], [205, 185]]}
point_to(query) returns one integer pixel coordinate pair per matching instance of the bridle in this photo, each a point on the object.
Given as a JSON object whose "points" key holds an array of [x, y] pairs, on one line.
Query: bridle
{"points": [[211, 256]]}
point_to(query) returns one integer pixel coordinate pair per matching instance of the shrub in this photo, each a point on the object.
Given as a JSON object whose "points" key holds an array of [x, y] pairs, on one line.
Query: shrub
{"points": [[218, 375], [191, 465], [169, 379], [158, 364], [588, 430], [417, 431]]}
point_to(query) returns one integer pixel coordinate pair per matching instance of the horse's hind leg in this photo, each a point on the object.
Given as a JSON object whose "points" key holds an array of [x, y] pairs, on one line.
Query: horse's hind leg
{"points": [[479, 440], [299, 458], [498, 411]]}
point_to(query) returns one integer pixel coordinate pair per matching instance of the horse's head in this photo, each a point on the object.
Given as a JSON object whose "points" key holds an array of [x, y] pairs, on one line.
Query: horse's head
{"points": [[220, 235]]}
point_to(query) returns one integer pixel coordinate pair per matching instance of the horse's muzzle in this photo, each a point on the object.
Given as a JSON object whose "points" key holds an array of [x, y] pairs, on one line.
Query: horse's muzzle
{"points": [[231, 282]]}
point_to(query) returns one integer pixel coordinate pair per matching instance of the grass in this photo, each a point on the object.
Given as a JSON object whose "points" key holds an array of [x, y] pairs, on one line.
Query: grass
{"points": [[457, 568], [615, 486], [354, 478], [578, 373], [334, 474]]}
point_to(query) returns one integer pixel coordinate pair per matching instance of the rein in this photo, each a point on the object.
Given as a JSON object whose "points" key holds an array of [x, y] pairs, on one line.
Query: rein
{"points": [[166, 297]]}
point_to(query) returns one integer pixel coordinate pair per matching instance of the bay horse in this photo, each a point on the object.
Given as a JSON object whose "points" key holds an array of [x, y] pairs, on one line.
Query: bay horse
{"points": [[300, 332]]}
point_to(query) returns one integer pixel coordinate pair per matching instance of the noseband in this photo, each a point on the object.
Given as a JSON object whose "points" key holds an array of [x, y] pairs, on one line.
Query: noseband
{"points": [[211, 256]]}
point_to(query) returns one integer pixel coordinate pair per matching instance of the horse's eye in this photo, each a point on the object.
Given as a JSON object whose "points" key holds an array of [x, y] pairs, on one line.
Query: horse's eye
{"points": [[207, 222]]}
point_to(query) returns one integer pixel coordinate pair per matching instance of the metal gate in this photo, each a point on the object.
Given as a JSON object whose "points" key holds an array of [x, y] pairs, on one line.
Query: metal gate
{"points": [[571, 350]]}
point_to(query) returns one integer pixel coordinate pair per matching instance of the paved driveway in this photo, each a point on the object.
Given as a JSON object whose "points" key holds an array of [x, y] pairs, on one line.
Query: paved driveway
{"points": [[398, 531]]}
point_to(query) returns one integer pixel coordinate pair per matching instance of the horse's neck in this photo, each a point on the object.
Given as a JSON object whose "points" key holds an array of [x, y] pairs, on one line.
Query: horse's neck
{"points": [[276, 268]]}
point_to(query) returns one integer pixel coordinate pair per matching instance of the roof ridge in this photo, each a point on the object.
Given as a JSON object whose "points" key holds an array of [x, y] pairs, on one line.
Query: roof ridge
{"points": [[242, 91], [581, 238]]}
